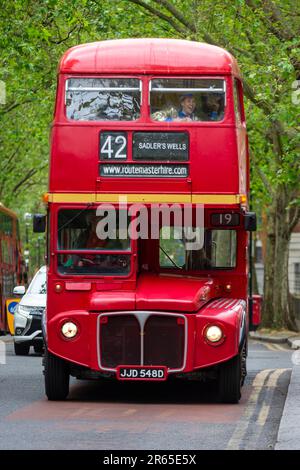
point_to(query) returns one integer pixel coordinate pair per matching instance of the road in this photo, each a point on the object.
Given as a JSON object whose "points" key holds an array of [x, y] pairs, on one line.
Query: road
{"points": [[112, 415]]}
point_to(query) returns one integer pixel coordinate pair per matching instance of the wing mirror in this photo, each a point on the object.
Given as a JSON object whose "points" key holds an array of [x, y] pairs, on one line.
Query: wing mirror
{"points": [[39, 223], [19, 290], [250, 221]]}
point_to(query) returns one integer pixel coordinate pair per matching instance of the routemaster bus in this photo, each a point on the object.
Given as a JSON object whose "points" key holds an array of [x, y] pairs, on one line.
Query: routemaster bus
{"points": [[11, 266], [144, 132]]}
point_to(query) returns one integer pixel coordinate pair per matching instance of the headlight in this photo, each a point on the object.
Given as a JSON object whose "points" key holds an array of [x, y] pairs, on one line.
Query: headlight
{"points": [[213, 334], [21, 317], [69, 330], [23, 311]]}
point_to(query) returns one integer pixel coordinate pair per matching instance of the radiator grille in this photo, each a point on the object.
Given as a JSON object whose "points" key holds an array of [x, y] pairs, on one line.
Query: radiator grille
{"points": [[164, 342], [159, 340], [120, 341]]}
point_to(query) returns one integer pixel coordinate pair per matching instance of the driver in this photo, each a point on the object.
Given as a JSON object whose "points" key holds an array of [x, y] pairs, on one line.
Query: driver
{"points": [[89, 240]]}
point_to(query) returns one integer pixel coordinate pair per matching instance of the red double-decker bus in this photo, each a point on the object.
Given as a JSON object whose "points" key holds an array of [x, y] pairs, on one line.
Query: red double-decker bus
{"points": [[152, 128], [11, 265]]}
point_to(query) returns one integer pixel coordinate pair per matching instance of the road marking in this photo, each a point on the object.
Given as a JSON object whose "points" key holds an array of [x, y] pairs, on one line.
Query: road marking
{"points": [[271, 347], [275, 347], [267, 379], [129, 412], [263, 415], [282, 348], [271, 383], [242, 427], [166, 413], [260, 378]]}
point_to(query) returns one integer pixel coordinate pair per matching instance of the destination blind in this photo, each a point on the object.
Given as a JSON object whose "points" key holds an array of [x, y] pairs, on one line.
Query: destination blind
{"points": [[154, 154], [160, 146]]}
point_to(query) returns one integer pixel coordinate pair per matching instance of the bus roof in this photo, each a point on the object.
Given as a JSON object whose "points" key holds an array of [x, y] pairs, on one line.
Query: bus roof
{"points": [[7, 211], [148, 56]]}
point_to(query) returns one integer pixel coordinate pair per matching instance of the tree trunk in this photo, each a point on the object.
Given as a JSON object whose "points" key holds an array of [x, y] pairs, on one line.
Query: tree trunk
{"points": [[268, 309], [277, 308]]}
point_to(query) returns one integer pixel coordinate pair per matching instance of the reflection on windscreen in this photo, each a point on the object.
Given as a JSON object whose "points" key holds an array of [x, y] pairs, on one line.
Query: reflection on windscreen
{"points": [[81, 230], [103, 99], [39, 285], [187, 100], [219, 250]]}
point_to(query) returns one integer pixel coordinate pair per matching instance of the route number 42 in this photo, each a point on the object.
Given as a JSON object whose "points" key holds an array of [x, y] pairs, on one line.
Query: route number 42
{"points": [[113, 146]]}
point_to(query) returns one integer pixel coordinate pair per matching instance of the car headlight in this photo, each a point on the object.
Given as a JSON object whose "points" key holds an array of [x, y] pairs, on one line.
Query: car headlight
{"points": [[69, 330], [21, 317], [213, 333], [23, 311]]}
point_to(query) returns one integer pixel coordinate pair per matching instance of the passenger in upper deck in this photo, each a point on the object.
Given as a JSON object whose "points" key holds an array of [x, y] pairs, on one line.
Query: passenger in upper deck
{"points": [[186, 112], [213, 108], [204, 107], [188, 106]]}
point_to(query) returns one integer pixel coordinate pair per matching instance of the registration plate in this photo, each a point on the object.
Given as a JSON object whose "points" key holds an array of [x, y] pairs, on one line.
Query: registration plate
{"points": [[141, 373]]}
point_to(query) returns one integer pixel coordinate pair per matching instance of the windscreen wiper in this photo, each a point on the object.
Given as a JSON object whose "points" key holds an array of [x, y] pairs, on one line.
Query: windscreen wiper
{"points": [[75, 216], [172, 261]]}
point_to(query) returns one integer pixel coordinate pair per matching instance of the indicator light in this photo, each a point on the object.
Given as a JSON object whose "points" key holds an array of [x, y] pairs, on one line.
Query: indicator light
{"points": [[228, 288], [45, 198], [58, 288]]}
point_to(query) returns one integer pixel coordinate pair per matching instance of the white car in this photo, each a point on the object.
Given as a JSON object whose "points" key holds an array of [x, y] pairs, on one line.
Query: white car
{"points": [[28, 314]]}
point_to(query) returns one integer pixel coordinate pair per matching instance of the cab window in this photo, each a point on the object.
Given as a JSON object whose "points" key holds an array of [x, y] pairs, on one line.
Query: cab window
{"points": [[218, 251], [103, 99], [99, 245], [181, 100]]}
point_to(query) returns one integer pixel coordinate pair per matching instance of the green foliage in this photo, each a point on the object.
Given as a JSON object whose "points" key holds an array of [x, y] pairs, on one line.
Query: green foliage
{"points": [[261, 34]]}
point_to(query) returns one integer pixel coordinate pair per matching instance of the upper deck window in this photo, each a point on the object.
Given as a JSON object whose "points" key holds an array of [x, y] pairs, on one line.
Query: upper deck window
{"points": [[184, 100], [6, 224], [103, 99]]}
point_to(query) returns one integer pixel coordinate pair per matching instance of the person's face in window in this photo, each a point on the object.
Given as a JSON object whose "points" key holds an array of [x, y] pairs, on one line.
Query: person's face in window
{"points": [[213, 103], [188, 105]]}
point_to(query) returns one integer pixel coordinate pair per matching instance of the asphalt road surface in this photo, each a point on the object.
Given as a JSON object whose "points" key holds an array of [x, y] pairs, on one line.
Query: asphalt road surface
{"points": [[153, 416]]}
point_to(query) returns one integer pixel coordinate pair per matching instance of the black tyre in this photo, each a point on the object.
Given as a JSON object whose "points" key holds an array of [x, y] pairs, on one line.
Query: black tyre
{"points": [[38, 348], [21, 349], [230, 381], [57, 377]]}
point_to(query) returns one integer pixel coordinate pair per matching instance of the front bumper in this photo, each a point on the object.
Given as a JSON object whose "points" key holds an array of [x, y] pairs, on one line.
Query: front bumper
{"points": [[104, 352], [34, 337], [28, 329]]}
